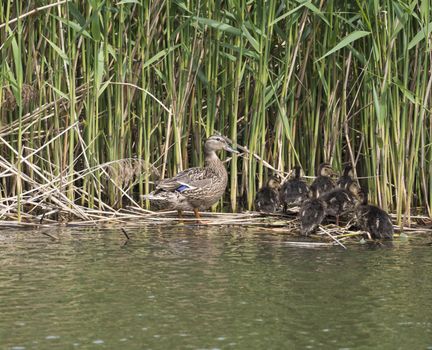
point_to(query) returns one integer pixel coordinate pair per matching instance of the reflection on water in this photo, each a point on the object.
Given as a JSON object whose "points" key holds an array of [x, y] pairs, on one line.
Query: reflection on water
{"points": [[209, 288]]}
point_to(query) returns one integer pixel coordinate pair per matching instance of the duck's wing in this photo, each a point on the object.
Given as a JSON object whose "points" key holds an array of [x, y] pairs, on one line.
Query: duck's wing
{"points": [[187, 179]]}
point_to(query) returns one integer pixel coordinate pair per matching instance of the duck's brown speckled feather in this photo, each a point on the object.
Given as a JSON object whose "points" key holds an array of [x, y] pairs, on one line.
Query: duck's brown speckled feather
{"points": [[193, 188]]}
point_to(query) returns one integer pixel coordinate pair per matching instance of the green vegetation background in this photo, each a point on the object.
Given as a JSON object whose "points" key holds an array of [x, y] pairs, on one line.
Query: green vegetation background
{"points": [[86, 83]]}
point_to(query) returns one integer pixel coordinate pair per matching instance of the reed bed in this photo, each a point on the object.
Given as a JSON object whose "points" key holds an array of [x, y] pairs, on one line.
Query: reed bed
{"points": [[99, 98]]}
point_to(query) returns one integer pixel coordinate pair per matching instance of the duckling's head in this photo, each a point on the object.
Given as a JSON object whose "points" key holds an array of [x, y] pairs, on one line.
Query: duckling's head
{"points": [[325, 169], [216, 143], [273, 182], [298, 172], [348, 170], [363, 196], [314, 193], [355, 190]]}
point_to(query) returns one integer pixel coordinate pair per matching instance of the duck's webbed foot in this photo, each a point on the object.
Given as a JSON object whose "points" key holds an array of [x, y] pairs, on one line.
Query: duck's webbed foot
{"points": [[198, 216]]}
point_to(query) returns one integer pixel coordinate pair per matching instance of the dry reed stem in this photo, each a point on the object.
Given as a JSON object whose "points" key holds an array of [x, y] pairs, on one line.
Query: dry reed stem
{"points": [[327, 232], [32, 12]]}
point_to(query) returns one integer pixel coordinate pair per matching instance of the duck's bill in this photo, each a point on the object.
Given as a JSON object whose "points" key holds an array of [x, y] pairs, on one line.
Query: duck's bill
{"points": [[232, 150]]}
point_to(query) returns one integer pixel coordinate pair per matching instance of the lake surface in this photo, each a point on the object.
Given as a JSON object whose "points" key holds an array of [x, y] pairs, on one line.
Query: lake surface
{"points": [[188, 287]]}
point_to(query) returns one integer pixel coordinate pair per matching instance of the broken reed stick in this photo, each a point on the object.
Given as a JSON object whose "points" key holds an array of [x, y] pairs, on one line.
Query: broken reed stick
{"points": [[125, 233], [332, 237], [32, 12]]}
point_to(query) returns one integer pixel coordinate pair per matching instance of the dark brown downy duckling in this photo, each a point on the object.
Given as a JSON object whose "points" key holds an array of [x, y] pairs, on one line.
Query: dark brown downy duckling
{"points": [[341, 201], [323, 182], [267, 198], [312, 213], [294, 191], [346, 178], [373, 219]]}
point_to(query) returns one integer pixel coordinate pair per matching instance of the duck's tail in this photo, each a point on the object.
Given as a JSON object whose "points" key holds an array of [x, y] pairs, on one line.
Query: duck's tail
{"points": [[163, 200], [153, 197]]}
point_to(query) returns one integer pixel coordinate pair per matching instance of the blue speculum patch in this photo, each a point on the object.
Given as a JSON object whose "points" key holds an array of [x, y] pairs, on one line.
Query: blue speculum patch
{"points": [[182, 188]]}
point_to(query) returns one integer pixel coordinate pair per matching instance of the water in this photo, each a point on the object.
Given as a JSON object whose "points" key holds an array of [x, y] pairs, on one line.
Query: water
{"points": [[210, 288]]}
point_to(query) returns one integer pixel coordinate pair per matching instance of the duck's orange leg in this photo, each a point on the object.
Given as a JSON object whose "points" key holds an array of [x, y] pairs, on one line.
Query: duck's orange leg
{"points": [[197, 214], [180, 215]]}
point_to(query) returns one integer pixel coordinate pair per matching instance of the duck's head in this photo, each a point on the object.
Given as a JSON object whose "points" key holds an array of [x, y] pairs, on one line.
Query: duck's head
{"points": [[274, 182], [216, 143], [325, 169]]}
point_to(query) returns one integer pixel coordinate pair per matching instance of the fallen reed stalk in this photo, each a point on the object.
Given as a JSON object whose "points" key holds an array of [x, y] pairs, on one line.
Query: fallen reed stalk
{"points": [[332, 237]]}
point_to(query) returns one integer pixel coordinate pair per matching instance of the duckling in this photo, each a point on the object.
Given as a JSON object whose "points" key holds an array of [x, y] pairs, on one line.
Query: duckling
{"points": [[312, 213], [294, 191], [346, 178], [323, 182], [373, 219], [341, 201], [267, 198]]}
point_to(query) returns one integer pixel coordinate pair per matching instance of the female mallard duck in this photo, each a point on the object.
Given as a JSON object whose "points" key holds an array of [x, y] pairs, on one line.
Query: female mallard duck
{"points": [[341, 201], [294, 191], [346, 178], [312, 213], [267, 198], [373, 219], [195, 188], [323, 182]]}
